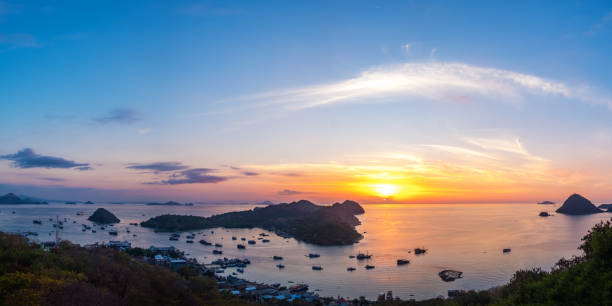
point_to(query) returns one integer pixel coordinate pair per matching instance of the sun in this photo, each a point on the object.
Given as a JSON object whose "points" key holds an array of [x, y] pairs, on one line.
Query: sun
{"points": [[385, 190]]}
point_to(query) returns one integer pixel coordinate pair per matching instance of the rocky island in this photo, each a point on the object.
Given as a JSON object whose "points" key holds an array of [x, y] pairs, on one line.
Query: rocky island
{"points": [[302, 220], [546, 202], [169, 203], [578, 205], [103, 216], [11, 198]]}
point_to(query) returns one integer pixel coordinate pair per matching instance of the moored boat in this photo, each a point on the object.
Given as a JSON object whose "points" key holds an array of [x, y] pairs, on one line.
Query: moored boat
{"points": [[403, 261]]}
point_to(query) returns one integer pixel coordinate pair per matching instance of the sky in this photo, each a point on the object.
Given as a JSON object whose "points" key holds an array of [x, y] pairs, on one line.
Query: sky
{"points": [[246, 101]]}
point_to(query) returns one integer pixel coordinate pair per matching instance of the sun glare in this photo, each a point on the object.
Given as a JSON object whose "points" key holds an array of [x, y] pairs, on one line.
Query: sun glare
{"points": [[385, 190]]}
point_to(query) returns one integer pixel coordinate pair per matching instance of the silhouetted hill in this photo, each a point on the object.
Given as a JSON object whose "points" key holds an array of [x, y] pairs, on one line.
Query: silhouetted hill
{"points": [[605, 206], [303, 220], [11, 198], [169, 203], [578, 205], [104, 216]]}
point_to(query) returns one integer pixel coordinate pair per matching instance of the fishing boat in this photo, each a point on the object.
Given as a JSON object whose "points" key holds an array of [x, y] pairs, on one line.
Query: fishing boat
{"points": [[37, 221], [218, 245], [173, 238], [402, 262], [217, 252], [419, 251], [507, 250], [317, 268], [277, 257], [240, 270], [368, 267], [362, 256], [241, 246], [204, 242], [350, 269], [189, 241], [313, 255], [233, 238], [114, 233], [265, 241], [80, 213], [252, 242], [280, 266]]}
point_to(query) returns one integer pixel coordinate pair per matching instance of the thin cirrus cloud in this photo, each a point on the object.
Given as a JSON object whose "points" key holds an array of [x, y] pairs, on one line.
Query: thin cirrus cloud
{"points": [[119, 115], [440, 81], [159, 166], [27, 158], [289, 192], [192, 176]]}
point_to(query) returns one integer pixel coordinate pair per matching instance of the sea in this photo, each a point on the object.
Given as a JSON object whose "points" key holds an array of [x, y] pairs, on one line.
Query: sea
{"points": [[465, 237]]}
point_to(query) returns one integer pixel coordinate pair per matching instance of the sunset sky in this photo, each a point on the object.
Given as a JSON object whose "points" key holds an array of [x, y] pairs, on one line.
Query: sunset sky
{"points": [[245, 101]]}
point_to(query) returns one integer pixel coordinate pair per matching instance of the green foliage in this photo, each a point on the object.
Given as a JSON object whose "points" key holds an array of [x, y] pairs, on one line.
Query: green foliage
{"points": [[72, 275]]}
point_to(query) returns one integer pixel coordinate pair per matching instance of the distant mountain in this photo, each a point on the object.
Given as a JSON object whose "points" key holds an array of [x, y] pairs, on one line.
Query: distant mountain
{"points": [[11, 198], [266, 203], [578, 205], [169, 203], [546, 202]]}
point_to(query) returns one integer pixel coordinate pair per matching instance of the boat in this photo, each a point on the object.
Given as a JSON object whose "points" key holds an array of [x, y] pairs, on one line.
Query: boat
{"points": [[189, 241], [351, 256], [241, 246], [313, 255], [217, 252], [240, 270], [298, 288], [93, 231], [419, 251], [368, 267], [280, 266], [277, 257], [37, 221], [204, 242], [507, 250], [402, 262], [362, 256], [252, 242], [317, 268], [544, 214], [243, 239], [114, 233], [218, 245], [79, 213], [173, 238], [233, 238], [389, 295], [265, 241], [350, 269]]}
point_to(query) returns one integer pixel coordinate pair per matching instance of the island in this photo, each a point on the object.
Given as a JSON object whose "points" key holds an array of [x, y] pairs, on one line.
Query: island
{"points": [[302, 220], [88, 202], [11, 198], [578, 205], [605, 206], [546, 202], [169, 203], [103, 216]]}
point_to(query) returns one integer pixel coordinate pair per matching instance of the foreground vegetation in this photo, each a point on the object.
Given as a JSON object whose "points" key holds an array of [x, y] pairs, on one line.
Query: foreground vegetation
{"points": [[71, 275]]}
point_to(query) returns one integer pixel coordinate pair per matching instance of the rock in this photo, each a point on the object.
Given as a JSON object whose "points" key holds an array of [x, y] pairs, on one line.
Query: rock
{"points": [[450, 275], [578, 205], [544, 214], [103, 216], [546, 202]]}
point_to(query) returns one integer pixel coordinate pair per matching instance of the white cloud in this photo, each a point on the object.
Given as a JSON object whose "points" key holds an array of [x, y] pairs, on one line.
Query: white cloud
{"points": [[432, 53], [441, 81], [408, 48]]}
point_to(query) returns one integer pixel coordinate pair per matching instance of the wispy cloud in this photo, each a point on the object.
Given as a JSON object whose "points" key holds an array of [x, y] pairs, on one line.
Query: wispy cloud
{"points": [[119, 115], [431, 80], [27, 158], [19, 40], [159, 166], [250, 173], [289, 192], [600, 24], [192, 176]]}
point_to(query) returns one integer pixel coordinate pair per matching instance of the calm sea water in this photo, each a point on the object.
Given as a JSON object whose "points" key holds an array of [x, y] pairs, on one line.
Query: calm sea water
{"points": [[464, 237]]}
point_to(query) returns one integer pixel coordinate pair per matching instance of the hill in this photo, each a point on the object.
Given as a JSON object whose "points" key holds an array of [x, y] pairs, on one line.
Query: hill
{"points": [[578, 205], [103, 216], [11, 198], [303, 220]]}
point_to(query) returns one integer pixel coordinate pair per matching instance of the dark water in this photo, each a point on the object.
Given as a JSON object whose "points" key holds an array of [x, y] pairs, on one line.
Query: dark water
{"points": [[464, 237]]}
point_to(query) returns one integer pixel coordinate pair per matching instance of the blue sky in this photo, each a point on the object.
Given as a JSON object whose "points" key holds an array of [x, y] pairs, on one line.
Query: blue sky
{"points": [[312, 96]]}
